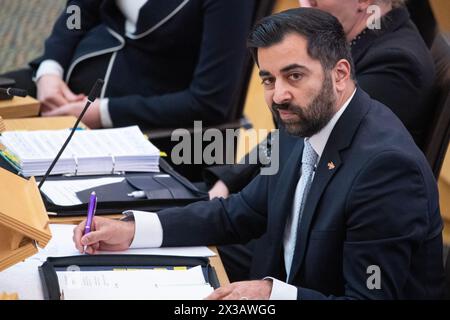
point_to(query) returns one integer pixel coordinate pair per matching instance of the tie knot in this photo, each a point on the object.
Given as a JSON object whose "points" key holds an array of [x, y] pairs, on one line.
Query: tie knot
{"points": [[309, 155]]}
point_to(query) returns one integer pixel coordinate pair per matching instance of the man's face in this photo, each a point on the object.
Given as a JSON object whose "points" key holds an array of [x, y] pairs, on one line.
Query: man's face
{"points": [[346, 11], [300, 93]]}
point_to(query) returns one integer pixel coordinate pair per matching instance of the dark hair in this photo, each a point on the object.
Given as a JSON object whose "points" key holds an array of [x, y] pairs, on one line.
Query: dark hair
{"points": [[324, 34]]}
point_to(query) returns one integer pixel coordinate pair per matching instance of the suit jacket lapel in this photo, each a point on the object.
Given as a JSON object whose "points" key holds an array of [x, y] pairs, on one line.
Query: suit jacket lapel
{"points": [[329, 164]]}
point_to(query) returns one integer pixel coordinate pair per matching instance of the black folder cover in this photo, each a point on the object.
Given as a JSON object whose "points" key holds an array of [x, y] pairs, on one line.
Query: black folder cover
{"points": [[49, 279], [113, 199], [166, 189]]}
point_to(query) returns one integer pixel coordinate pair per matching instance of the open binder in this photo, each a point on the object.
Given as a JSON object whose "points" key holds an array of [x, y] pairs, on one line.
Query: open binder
{"points": [[23, 219], [162, 192], [113, 199], [51, 285]]}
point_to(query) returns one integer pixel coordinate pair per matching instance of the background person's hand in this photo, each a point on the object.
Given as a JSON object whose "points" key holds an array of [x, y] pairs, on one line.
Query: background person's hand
{"points": [[107, 235], [91, 118], [219, 190], [53, 92], [243, 290]]}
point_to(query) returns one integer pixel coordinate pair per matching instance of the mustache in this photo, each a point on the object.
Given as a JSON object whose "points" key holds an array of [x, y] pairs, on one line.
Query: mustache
{"points": [[286, 106]]}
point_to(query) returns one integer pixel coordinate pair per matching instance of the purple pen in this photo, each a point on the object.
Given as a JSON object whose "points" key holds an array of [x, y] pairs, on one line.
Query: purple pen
{"points": [[91, 212]]}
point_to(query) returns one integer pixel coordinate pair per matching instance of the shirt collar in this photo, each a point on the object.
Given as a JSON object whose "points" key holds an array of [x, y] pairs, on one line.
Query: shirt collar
{"points": [[319, 140]]}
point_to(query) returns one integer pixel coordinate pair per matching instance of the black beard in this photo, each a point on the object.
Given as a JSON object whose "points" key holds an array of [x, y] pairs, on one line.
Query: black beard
{"points": [[312, 118]]}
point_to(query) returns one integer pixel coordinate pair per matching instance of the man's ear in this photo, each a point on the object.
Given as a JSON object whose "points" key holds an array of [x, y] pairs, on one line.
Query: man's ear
{"points": [[342, 73]]}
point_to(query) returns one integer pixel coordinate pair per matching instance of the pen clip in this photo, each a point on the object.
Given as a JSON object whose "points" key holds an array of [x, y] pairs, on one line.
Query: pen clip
{"points": [[95, 205]]}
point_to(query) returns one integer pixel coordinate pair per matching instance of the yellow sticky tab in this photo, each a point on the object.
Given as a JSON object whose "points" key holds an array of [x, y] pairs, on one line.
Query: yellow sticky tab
{"points": [[180, 268], [162, 154]]}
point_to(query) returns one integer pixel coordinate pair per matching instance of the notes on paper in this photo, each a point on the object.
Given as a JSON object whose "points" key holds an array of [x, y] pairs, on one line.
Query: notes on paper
{"points": [[161, 284]]}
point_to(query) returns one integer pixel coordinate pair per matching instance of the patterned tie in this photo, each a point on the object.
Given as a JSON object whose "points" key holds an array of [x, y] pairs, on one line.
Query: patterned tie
{"points": [[309, 160]]}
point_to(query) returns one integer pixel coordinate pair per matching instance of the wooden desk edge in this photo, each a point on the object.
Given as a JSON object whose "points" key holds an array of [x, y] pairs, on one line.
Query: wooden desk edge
{"points": [[215, 261]]}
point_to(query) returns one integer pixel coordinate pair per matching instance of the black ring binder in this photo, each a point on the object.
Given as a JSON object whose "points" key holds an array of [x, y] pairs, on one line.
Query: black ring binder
{"points": [[49, 278]]}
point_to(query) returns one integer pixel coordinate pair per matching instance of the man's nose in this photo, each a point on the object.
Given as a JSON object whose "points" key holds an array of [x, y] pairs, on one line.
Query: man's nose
{"points": [[281, 94]]}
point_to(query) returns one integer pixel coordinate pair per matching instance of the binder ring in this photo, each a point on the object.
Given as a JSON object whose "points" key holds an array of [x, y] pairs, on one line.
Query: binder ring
{"points": [[76, 164], [113, 163]]}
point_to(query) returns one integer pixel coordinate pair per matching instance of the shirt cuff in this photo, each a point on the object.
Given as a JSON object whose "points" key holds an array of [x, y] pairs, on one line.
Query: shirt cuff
{"points": [[105, 117], [281, 290], [148, 229], [49, 67]]}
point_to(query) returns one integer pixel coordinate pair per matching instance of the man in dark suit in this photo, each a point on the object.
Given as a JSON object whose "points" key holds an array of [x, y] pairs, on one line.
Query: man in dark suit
{"points": [[392, 64], [352, 214]]}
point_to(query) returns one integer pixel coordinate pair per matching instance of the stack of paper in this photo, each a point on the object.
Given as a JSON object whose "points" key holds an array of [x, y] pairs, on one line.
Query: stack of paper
{"points": [[89, 152]]}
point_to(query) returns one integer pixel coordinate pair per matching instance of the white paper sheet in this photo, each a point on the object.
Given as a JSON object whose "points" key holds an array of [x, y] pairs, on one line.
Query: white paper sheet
{"points": [[135, 285], [23, 277], [61, 245], [63, 192]]}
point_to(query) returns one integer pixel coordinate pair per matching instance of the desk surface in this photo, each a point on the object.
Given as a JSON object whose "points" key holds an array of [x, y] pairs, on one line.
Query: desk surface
{"points": [[19, 107], [215, 261], [63, 122]]}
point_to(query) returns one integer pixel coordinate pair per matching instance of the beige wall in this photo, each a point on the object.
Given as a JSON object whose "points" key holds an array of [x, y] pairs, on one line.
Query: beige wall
{"points": [[441, 10]]}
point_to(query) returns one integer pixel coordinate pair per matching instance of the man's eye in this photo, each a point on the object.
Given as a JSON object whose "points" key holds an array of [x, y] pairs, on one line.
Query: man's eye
{"points": [[296, 76], [267, 82]]}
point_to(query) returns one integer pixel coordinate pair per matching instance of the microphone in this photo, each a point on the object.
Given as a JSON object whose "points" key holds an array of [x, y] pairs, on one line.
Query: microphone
{"points": [[94, 94], [13, 92]]}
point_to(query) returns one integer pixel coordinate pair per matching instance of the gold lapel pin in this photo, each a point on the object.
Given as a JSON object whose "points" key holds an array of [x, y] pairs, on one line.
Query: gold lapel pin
{"points": [[331, 165]]}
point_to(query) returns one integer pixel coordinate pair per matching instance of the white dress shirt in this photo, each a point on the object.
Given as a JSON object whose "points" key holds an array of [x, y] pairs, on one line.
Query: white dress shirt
{"points": [[149, 232], [130, 10]]}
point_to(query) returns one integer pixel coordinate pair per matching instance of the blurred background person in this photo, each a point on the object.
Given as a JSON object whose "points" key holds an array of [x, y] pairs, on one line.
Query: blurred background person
{"points": [[165, 63]]}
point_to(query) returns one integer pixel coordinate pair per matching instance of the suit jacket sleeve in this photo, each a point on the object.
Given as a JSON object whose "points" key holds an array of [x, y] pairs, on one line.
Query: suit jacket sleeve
{"points": [[226, 24], [62, 42], [387, 218], [237, 219]]}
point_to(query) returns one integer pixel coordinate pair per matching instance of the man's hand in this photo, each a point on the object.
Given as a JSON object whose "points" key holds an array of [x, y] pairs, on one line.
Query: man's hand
{"points": [[243, 290], [108, 235], [91, 118], [219, 190], [53, 92]]}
